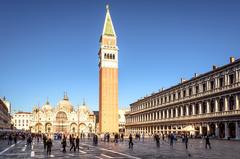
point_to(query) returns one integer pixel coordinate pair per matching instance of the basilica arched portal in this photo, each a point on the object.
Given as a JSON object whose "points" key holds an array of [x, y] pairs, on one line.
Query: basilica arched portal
{"points": [[61, 122]]}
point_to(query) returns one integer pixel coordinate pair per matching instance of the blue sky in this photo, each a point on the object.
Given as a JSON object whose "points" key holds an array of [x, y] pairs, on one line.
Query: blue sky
{"points": [[50, 46]]}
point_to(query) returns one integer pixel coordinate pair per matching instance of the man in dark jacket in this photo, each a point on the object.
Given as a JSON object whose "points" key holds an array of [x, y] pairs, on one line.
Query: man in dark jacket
{"points": [[49, 146], [64, 143]]}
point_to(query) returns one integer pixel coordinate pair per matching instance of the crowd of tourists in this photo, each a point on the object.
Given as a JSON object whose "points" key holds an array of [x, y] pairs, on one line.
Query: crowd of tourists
{"points": [[74, 140]]}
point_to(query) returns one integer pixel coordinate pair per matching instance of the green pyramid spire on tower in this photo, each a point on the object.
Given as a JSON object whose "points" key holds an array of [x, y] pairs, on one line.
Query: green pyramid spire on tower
{"points": [[108, 28]]}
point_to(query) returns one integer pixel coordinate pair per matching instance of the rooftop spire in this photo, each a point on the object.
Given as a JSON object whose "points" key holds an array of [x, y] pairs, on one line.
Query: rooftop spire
{"points": [[65, 96], [84, 103], [47, 102], [108, 28]]}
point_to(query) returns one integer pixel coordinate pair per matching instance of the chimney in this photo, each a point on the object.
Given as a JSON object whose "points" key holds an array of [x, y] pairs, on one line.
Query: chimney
{"points": [[195, 74], [214, 67], [232, 59]]}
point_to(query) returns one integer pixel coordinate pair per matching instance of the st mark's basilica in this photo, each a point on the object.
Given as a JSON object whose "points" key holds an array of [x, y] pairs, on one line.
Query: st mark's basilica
{"points": [[63, 118]]}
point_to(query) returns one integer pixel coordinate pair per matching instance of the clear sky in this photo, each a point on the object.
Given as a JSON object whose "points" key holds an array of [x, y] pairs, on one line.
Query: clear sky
{"points": [[50, 46]]}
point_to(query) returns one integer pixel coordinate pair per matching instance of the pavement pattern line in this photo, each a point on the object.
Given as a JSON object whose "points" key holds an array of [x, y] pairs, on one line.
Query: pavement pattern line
{"points": [[9, 148], [24, 148], [112, 151], [106, 155]]}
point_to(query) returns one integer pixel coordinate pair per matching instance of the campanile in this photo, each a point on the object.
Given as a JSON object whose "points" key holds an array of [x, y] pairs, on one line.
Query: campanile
{"points": [[108, 77]]}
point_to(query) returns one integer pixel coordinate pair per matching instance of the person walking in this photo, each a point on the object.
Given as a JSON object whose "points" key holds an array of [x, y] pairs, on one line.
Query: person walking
{"points": [[10, 139], [171, 139], [73, 144], [122, 137], [77, 143], [130, 144], [143, 136], [95, 139], [207, 143], [15, 139], [186, 141], [64, 144], [157, 138], [44, 141], [49, 146]]}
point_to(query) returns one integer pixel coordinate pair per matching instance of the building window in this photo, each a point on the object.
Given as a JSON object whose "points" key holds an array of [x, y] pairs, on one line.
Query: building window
{"points": [[184, 93], [221, 82], [190, 91], [212, 106], [197, 89], [231, 79], [179, 95], [212, 85], [197, 109], [184, 110], [231, 103], [174, 96], [204, 107], [204, 87], [221, 105]]}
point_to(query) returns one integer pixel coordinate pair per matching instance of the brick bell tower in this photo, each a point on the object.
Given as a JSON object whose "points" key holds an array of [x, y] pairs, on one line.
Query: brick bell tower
{"points": [[108, 78]]}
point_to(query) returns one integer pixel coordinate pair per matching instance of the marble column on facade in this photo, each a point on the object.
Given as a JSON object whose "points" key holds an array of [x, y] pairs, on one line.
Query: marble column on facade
{"points": [[200, 108], [167, 113], [187, 110], [236, 76], [216, 105], [226, 130], [156, 116], [216, 82], [237, 101], [176, 112], [226, 103], [163, 129], [226, 80], [208, 128], [193, 109], [181, 107], [163, 114], [159, 113], [171, 129], [237, 130], [200, 129], [216, 130], [172, 112], [208, 106]]}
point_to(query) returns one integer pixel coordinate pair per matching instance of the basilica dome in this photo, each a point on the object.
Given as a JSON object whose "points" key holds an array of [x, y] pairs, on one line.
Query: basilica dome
{"points": [[47, 106], [65, 104]]}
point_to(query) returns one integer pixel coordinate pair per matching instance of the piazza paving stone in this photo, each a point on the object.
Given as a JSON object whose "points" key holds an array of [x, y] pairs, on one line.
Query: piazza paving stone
{"points": [[221, 149]]}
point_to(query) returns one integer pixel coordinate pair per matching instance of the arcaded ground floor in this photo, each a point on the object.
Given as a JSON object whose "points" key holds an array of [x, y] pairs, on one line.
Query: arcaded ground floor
{"points": [[220, 129], [221, 149]]}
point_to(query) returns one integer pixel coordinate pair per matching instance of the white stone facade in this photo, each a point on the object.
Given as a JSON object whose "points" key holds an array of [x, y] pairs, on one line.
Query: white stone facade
{"points": [[63, 119], [22, 120], [208, 103]]}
